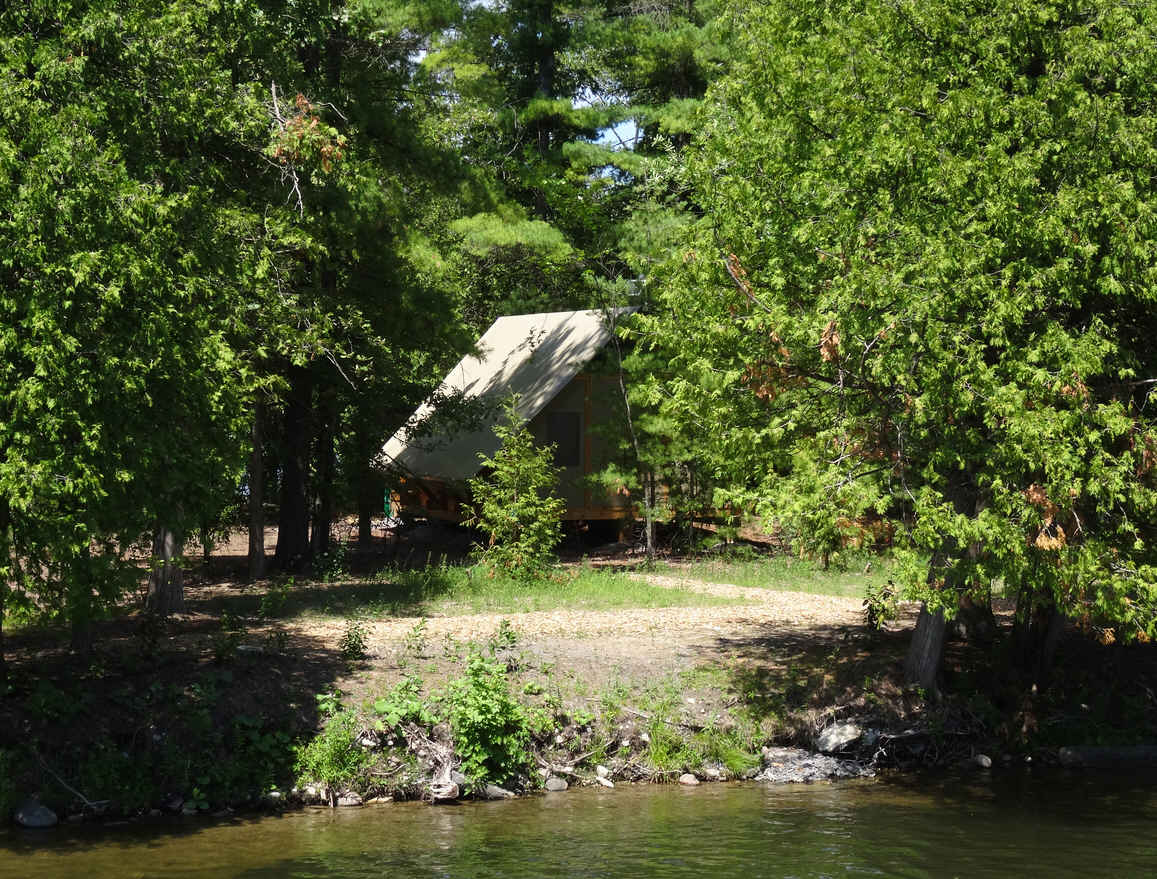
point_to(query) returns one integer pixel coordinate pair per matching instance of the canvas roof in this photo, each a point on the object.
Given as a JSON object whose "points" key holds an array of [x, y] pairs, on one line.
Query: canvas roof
{"points": [[532, 355]]}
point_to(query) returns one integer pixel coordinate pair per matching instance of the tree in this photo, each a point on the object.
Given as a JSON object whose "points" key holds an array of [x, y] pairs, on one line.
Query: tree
{"points": [[120, 388], [922, 286], [515, 503]]}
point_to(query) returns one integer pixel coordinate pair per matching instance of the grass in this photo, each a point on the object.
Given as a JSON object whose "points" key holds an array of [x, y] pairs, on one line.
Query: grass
{"points": [[788, 574], [453, 590], [584, 589]]}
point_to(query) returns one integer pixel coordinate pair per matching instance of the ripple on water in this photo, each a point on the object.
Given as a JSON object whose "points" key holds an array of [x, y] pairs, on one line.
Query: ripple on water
{"points": [[1055, 825]]}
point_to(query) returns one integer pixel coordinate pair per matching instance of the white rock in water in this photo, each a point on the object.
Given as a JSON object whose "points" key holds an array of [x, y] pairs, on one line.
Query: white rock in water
{"points": [[33, 813], [349, 799], [982, 761], [556, 784], [688, 778], [605, 782], [602, 771], [837, 737]]}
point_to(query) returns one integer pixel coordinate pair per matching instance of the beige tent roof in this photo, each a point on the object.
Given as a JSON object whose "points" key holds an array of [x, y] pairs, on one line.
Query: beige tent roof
{"points": [[532, 355]]}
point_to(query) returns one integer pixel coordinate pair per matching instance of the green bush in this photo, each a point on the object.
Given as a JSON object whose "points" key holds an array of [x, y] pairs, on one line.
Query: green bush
{"points": [[516, 504], [354, 640], [333, 757], [404, 703], [491, 729]]}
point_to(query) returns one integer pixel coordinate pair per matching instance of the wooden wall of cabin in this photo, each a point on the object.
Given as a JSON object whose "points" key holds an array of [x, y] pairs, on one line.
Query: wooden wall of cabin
{"points": [[580, 421]]}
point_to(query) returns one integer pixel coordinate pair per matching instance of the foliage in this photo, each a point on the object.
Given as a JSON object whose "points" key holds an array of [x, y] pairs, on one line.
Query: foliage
{"points": [[515, 502], [331, 565], [334, 756], [354, 639], [491, 729], [921, 287], [404, 704], [881, 604]]}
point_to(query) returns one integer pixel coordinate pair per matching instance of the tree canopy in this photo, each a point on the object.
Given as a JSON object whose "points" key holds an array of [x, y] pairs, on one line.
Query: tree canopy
{"points": [[922, 286]]}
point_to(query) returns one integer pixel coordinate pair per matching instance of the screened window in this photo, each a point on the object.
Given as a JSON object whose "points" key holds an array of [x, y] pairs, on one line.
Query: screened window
{"points": [[564, 430]]}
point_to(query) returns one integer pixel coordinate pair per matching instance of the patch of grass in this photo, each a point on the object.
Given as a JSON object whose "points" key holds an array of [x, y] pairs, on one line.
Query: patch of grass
{"points": [[858, 574], [474, 591]]}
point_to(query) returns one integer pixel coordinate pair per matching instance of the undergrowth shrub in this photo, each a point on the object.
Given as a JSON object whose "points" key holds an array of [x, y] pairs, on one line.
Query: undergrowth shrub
{"points": [[492, 731], [516, 502], [333, 757]]}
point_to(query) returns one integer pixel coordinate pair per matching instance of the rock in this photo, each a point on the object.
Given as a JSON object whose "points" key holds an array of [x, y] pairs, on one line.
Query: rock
{"points": [[459, 779], [712, 773], [981, 761], [837, 737], [173, 803], [494, 792], [688, 778], [556, 784], [377, 801], [1107, 757], [369, 740], [350, 799], [605, 782], [188, 809], [795, 765], [602, 771], [444, 792], [154, 813]]}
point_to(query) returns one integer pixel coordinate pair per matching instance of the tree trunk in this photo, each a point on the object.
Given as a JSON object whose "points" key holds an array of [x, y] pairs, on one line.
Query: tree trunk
{"points": [[5, 577], [369, 500], [323, 511], [922, 665], [974, 621], [293, 520], [1036, 634], [649, 514], [166, 593], [80, 603], [257, 496]]}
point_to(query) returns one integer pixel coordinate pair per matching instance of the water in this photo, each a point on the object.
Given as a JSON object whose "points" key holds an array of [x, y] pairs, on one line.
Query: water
{"points": [[1054, 825]]}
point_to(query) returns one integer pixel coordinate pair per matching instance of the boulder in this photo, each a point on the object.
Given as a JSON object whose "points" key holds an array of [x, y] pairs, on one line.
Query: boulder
{"points": [[494, 792], [837, 737], [605, 782], [556, 784], [459, 779], [1107, 756], [981, 761], [786, 765], [602, 771], [688, 778], [349, 799]]}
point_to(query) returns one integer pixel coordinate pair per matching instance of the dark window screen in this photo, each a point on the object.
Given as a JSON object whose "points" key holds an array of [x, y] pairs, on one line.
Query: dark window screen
{"points": [[564, 430]]}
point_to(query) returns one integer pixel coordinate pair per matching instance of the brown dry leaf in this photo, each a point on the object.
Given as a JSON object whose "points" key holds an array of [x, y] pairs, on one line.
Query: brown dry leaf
{"points": [[830, 342], [1050, 541]]}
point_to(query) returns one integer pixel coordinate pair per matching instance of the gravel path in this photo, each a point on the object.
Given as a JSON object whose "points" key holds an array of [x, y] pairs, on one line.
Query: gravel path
{"points": [[630, 641]]}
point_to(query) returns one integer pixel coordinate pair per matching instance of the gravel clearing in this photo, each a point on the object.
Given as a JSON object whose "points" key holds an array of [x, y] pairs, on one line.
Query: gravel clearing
{"points": [[598, 645]]}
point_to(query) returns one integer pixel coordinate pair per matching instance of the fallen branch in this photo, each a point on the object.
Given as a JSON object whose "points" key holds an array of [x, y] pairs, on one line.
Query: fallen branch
{"points": [[95, 805]]}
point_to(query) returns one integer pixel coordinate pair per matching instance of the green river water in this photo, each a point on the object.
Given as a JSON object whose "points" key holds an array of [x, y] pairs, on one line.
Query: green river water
{"points": [[1044, 824]]}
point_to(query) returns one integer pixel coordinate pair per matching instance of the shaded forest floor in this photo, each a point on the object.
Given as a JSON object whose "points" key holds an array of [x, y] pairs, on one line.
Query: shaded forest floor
{"points": [[654, 671]]}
